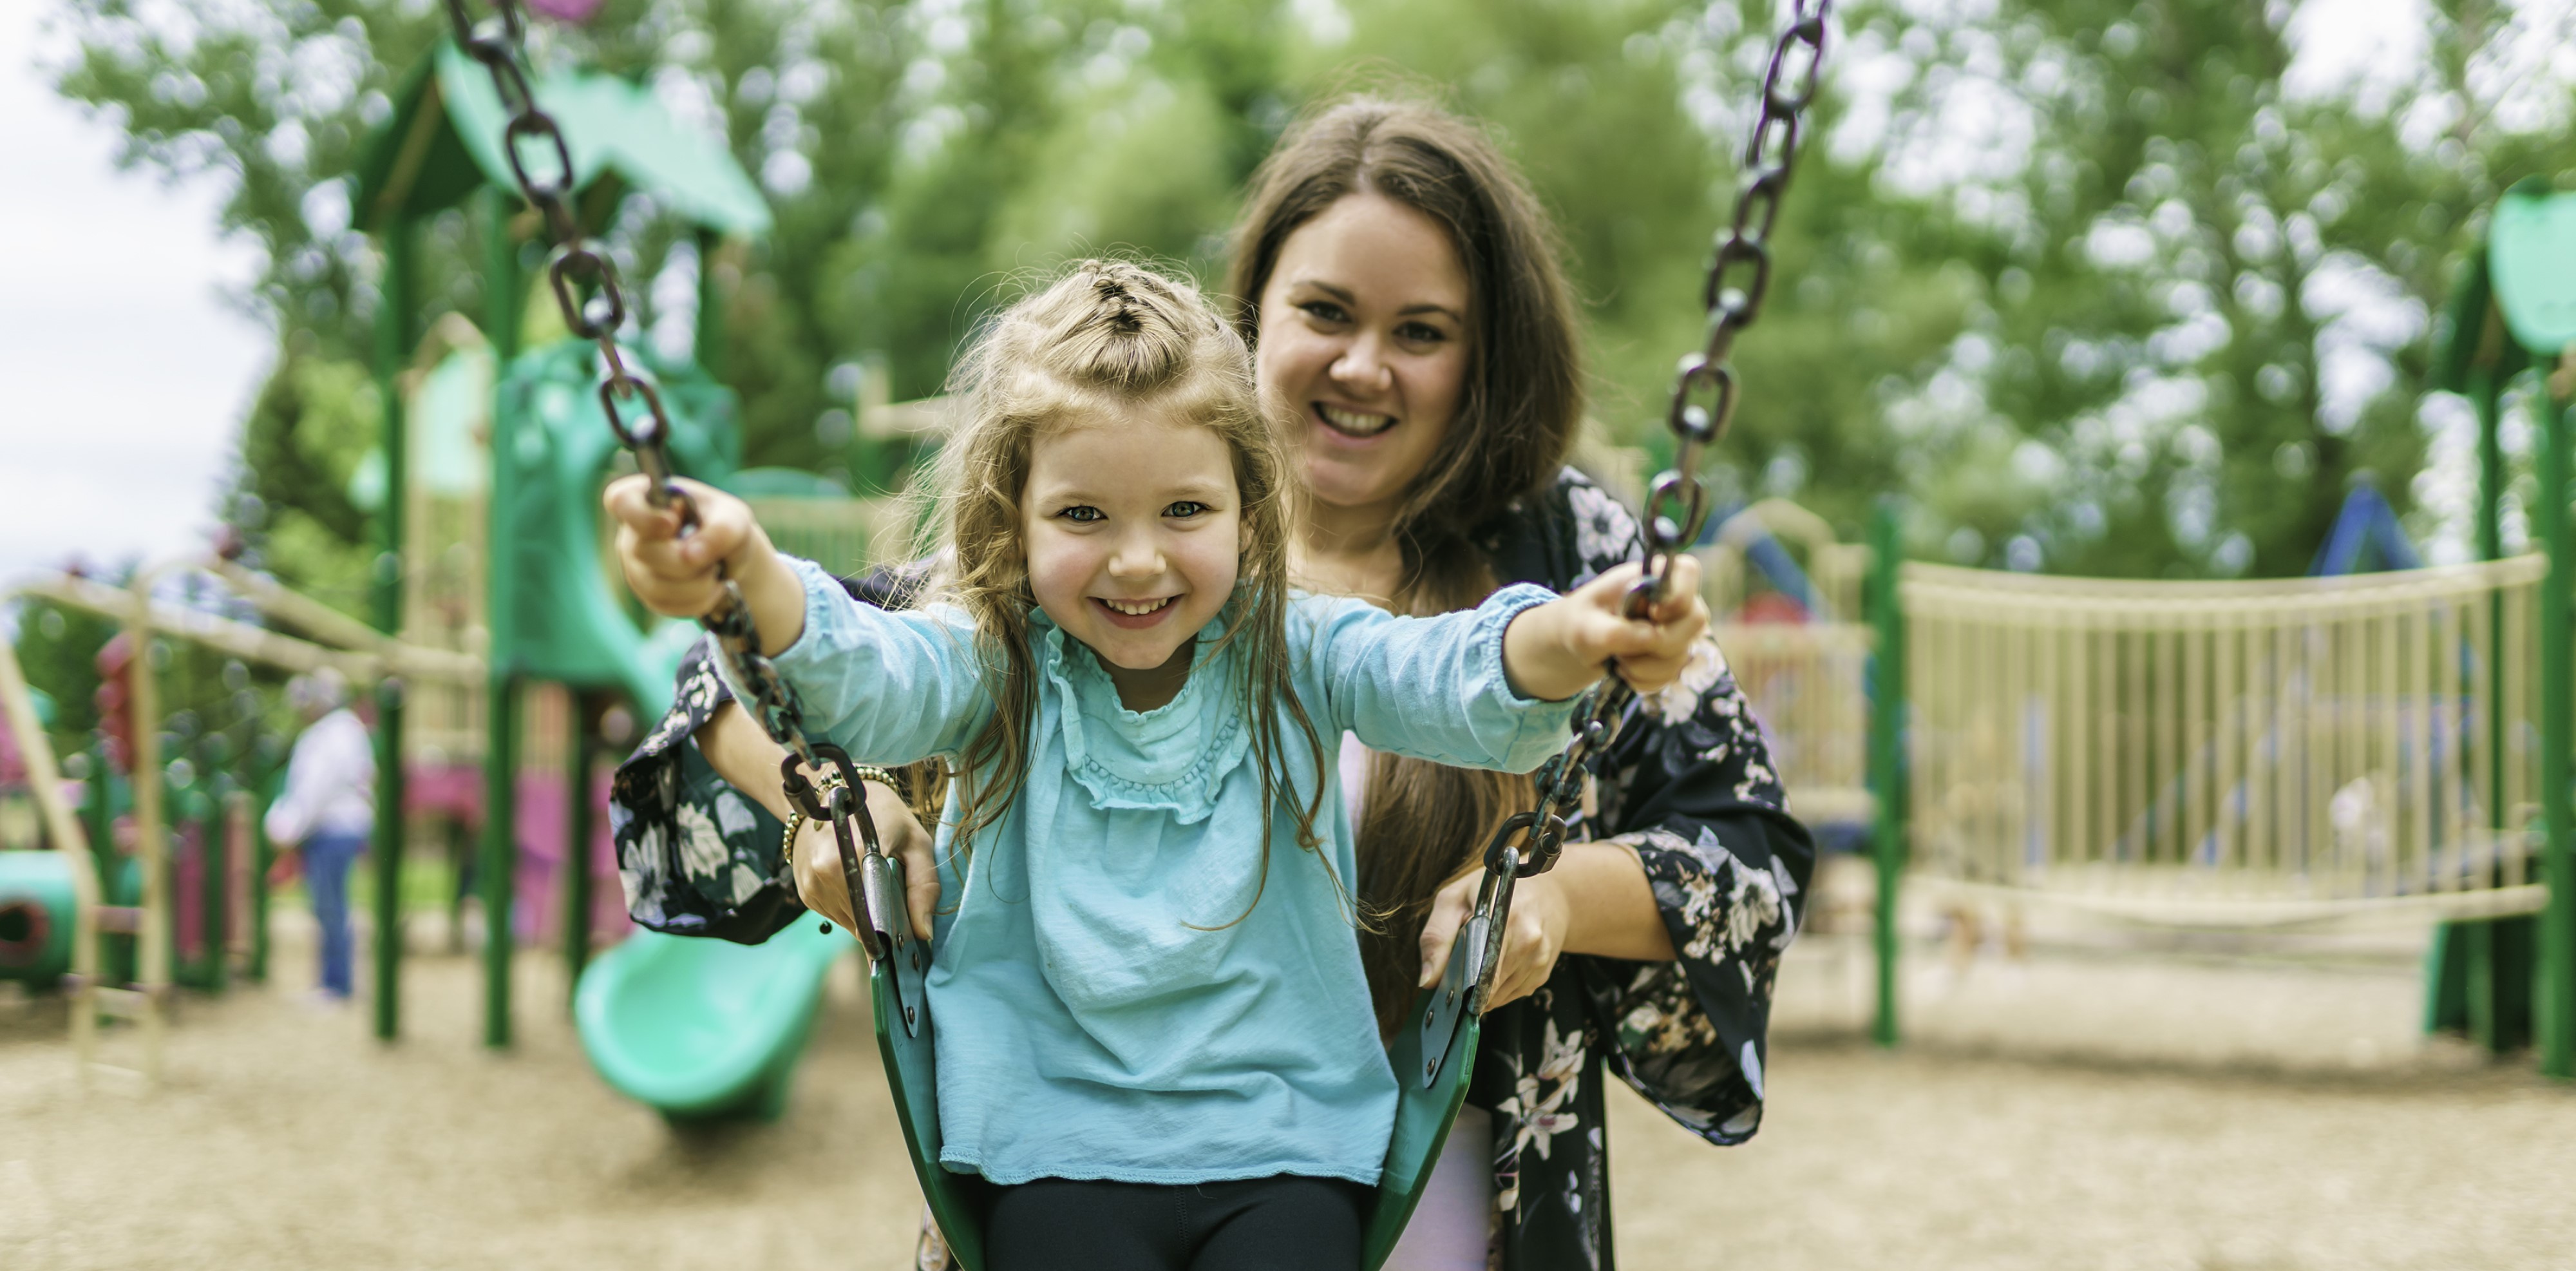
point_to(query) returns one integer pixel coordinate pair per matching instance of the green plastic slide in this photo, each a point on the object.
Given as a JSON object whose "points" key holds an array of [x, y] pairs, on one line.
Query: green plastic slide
{"points": [[702, 1029]]}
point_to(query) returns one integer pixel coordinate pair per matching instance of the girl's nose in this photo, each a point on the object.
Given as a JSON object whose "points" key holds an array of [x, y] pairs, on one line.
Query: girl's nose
{"points": [[1136, 556]]}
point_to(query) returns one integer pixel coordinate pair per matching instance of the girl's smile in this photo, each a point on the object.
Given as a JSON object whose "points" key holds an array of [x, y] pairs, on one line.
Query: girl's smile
{"points": [[1135, 615]]}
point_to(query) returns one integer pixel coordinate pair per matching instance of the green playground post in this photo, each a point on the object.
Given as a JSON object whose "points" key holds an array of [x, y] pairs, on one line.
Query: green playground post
{"points": [[502, 292], [2556, 1022], [2479, 938], [708, 347], [576, 884], [397, 331], [263, 791], [1887, 752]]}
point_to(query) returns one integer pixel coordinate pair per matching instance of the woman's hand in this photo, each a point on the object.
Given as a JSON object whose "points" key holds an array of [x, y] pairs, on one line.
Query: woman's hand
{"points": [[825, 889], [682, 574], [1596, 901], [1533, 934], [1556, 650]]}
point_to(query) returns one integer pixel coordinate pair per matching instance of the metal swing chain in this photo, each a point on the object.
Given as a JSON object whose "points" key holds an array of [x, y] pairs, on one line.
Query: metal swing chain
{"points": [[581, 262], [1703, 404]]}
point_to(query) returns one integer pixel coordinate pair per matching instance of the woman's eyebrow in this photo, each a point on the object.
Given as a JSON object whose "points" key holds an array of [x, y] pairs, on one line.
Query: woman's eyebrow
{"points": [[1348, 297], [1337, 292]]}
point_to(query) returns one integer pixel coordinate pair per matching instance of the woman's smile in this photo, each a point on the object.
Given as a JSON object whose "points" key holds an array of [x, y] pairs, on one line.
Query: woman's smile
{"points": [[1357, 425]]}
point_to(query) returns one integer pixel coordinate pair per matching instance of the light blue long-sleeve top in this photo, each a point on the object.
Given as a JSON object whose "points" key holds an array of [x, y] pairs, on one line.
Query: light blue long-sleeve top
{"points": [[1090, 1024]]}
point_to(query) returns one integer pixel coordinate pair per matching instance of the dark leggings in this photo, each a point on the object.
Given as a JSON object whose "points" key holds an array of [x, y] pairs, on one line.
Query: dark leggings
{"points": [[1283, 1223]]}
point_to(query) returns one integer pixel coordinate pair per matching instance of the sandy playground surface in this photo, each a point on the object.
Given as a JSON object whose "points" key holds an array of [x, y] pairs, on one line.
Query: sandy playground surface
{"points": [[2074, 1109]]}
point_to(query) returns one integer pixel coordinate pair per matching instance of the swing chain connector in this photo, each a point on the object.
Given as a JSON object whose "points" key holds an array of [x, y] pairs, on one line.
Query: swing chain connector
{"points": [[1704, 399], [1739, 277], [541, 162]]}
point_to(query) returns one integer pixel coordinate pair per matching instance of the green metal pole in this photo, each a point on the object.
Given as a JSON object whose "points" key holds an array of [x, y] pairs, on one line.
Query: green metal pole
{"points": [[98, 803], [1887, 753], [2478, 939], [397, 333], [263, 787], [710, 339], [499, 858], [2557, 1021], [585, 758], [215, 901]]}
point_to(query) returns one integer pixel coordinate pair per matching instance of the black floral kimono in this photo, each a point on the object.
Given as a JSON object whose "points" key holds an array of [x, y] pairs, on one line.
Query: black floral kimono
{"points": [[1690, 787]]}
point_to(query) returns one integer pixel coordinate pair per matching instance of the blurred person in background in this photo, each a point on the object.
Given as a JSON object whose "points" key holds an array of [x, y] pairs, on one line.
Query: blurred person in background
{"points": [[320, 822]]}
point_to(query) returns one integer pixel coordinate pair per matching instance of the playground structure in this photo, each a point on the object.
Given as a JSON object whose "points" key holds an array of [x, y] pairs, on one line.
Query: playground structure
{"points": [[693, 1028], [497, 629], [2265, 755]]}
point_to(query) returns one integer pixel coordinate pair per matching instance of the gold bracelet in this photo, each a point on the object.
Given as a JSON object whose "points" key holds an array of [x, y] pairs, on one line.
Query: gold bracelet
{"points": [[871, 772]]}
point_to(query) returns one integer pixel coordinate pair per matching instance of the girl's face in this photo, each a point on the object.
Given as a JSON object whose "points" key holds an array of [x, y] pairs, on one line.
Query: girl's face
{"points": [[1364, 337], [1132, 528]]}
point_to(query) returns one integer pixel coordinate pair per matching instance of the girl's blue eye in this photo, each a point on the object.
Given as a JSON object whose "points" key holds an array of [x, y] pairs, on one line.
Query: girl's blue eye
{"points": [[1083, 513], [1185, 508]]}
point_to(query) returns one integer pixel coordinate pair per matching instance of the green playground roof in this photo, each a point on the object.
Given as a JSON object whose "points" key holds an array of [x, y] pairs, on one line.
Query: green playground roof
{"points": [[2515, 302], [444, 142]]}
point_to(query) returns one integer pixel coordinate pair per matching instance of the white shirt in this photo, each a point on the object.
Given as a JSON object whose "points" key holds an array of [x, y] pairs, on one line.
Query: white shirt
{"points": [[330, 782]]}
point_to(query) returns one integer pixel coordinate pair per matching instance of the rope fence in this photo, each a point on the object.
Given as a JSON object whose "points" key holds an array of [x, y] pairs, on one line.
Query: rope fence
{"points": [[2240, 754]]}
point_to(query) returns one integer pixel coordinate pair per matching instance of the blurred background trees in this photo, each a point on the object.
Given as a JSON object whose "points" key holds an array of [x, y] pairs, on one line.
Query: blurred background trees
{"points": [[2101, 287]]}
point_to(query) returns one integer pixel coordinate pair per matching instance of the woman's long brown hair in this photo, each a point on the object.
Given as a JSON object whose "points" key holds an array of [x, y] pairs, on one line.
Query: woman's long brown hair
{"points": [[1111, 340], [1423, 824]]}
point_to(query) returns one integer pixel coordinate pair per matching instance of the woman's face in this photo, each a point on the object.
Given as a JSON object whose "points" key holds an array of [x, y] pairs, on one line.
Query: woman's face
{"points": [[1364, 338]]}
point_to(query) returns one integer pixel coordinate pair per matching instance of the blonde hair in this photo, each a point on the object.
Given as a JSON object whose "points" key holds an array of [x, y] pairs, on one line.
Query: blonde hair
{"points": [[1108, 339]]}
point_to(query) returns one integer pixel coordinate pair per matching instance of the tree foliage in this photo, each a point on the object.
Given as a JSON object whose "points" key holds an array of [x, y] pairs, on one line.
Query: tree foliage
{"points": [[2100, 287]]}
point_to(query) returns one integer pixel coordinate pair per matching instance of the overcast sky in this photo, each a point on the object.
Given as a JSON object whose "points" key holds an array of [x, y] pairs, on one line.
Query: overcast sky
{"points": [[128, 375], [126, 372]]}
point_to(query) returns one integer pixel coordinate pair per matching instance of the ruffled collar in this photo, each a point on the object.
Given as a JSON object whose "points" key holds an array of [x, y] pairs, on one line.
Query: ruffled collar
{"points": [[1172, 758]]}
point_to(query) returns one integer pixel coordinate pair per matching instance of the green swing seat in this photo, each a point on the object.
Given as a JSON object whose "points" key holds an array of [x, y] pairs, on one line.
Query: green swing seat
{"points": [[1433, 1057]]}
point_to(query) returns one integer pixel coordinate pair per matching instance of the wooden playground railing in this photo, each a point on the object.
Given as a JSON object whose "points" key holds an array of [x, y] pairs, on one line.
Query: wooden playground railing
{"points": [[1807, 680], [2239, 754], [1807, 683]]}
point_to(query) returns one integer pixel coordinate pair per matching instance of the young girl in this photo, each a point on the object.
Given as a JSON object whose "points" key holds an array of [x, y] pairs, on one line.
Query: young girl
{"points": [[1154, 1033]]}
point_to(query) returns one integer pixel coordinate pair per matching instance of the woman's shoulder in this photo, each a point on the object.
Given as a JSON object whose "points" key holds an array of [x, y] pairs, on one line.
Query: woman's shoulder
{"points": [[1560, 536]]}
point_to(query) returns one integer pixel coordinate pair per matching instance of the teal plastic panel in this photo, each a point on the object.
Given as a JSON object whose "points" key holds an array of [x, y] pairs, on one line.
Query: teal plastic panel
{"points": [[2531, 260], [705, 1028]]}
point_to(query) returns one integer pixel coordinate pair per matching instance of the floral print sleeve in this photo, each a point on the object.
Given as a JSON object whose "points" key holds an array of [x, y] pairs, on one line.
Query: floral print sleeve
{"points": [[1691, 790], [696, 856]]}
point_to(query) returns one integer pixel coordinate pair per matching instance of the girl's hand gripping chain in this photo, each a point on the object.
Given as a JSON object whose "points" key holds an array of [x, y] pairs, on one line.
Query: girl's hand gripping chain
{"points": [[1557, 649], [679, 571]]}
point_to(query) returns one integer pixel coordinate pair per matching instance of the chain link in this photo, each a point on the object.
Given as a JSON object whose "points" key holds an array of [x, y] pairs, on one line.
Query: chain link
{"points": [[583, 276], [1704, 398], [1703, 404]]}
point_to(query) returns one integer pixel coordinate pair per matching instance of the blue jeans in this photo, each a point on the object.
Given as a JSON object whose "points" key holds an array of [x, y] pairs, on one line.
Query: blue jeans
{"points": [[327, 858]]}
